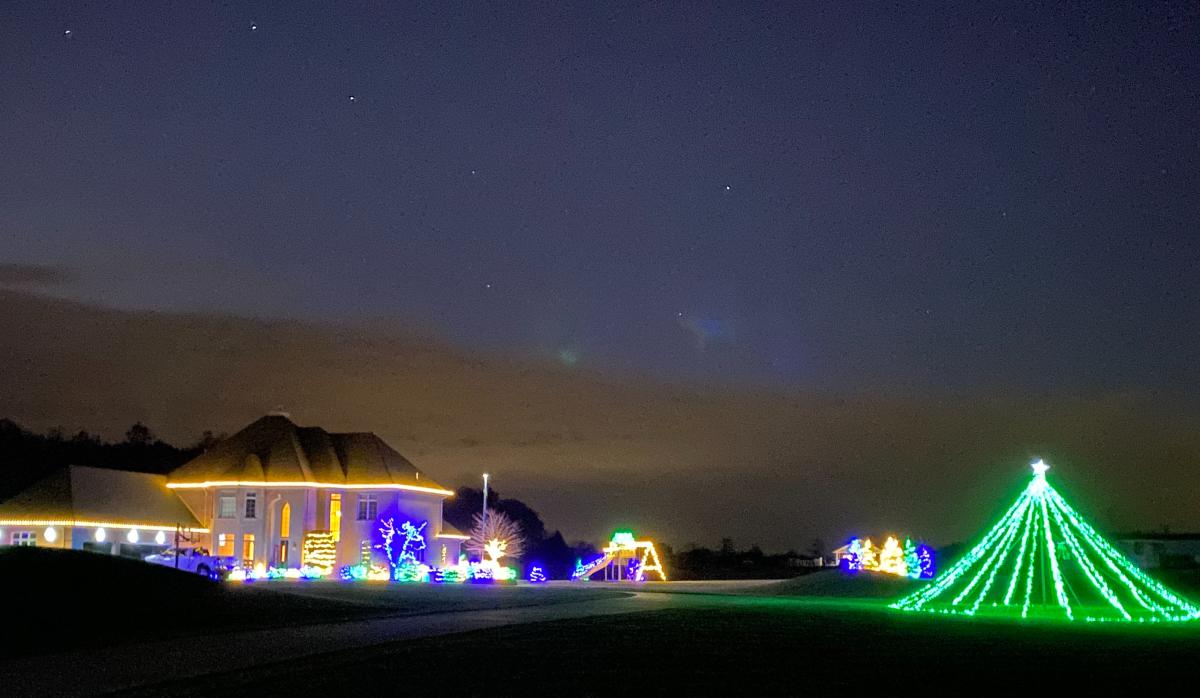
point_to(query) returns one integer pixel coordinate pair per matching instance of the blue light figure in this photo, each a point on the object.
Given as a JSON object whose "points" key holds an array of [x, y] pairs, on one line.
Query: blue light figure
{"points": [[852, 563], [536, 576], [926, 560]]}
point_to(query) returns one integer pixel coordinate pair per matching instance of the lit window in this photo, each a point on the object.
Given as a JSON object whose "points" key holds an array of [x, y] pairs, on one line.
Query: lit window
{"points": [[248, 546], [23, 538], [226, 506], [285, 521], [251, 505], [335, 515], [368, 506], [225, 544]]}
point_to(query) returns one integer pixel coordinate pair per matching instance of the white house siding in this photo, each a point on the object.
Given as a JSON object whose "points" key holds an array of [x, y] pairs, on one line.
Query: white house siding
{"points": [[310, 512], [399, 505]]}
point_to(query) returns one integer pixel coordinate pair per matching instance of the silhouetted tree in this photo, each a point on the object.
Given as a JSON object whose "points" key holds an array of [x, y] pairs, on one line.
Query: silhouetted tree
{"points": [[459, 511], [26, 457], [139, 435]]}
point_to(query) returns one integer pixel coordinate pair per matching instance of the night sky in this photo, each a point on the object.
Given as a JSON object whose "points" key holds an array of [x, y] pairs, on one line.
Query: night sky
{"points": [[923, 201]]}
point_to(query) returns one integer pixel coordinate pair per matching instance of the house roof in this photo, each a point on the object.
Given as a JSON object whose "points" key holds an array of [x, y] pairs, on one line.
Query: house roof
{"points": [[273, 450], [78, 495]]}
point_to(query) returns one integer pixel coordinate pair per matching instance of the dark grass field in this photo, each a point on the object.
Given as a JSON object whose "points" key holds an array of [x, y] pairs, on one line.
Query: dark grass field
{"points": [[740, 646], [815, 634], [79, 600]]}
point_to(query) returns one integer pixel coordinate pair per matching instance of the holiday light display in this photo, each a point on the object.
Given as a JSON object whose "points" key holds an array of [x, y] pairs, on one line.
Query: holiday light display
{"points": [[583, 571], [406, 567], [623, 550], [536, 576], [489, 569], [891, 558], [925, 566], [319, 551], [361, 572], [1042, 560], [914, 561]]}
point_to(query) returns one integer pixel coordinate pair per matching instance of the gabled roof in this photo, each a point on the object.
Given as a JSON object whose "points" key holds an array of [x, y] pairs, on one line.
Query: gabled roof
{"points": [[273, 450], [81, 495]]}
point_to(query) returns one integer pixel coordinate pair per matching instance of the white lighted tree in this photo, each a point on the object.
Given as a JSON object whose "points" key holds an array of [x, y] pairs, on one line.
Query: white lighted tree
{"points": [[497, 534]]}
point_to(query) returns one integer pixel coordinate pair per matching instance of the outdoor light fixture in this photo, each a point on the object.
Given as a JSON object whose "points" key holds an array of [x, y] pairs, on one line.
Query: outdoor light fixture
{"points": [[50, 534], [160, 537], [101, 534], [132, 536]]}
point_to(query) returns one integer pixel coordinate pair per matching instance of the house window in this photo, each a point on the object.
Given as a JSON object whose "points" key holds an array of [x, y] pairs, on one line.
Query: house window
{"points": [[251, 505], [368, 506], [285, 521], [226, 506], [335, 515], [248, 546], [24, 538], [225, 544]]}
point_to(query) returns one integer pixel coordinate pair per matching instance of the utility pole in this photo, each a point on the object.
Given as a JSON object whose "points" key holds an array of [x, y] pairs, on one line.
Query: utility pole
{"points": [[485, 493]]}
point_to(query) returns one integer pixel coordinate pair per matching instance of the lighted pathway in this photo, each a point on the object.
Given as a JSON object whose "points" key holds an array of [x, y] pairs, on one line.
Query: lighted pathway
{"points": [[89, 672]]}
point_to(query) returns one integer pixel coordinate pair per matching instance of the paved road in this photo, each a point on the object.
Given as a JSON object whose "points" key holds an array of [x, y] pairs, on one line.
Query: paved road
{"points": [[90, 672]]}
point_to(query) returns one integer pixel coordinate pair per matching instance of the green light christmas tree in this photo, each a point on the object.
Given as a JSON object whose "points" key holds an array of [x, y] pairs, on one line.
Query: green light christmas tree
{"points": [[1043, 561]]}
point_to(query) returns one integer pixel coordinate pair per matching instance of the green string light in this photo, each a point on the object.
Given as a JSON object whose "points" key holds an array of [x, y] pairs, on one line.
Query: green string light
{"points": [[1070, 572]]}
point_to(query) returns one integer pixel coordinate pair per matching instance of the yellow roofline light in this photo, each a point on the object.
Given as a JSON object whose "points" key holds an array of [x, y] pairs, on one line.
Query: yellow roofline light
{"points": [[96, 524], [322, 485]]}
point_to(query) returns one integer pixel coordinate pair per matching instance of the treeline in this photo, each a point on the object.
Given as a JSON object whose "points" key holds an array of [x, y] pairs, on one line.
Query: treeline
{"points": [[550, 551], [26, 457], [728, 562]]}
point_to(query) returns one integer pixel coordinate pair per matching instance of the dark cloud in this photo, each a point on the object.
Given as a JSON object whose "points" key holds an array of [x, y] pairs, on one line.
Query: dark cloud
{"points": [[593, 451], [39, 276]]}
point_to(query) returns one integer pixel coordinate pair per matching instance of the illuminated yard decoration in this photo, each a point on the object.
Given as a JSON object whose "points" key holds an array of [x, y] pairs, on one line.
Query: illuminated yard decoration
{"points": [[498, 526], [319, 551], [489, 569], [909, 560], [624, 558], [1043, 561], [891, 558], [536, 575], [406, 567], [926, 568]]}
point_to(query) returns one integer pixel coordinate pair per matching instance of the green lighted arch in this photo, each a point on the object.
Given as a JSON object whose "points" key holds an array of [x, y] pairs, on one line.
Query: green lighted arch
{"points": [[1043, 561]]}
